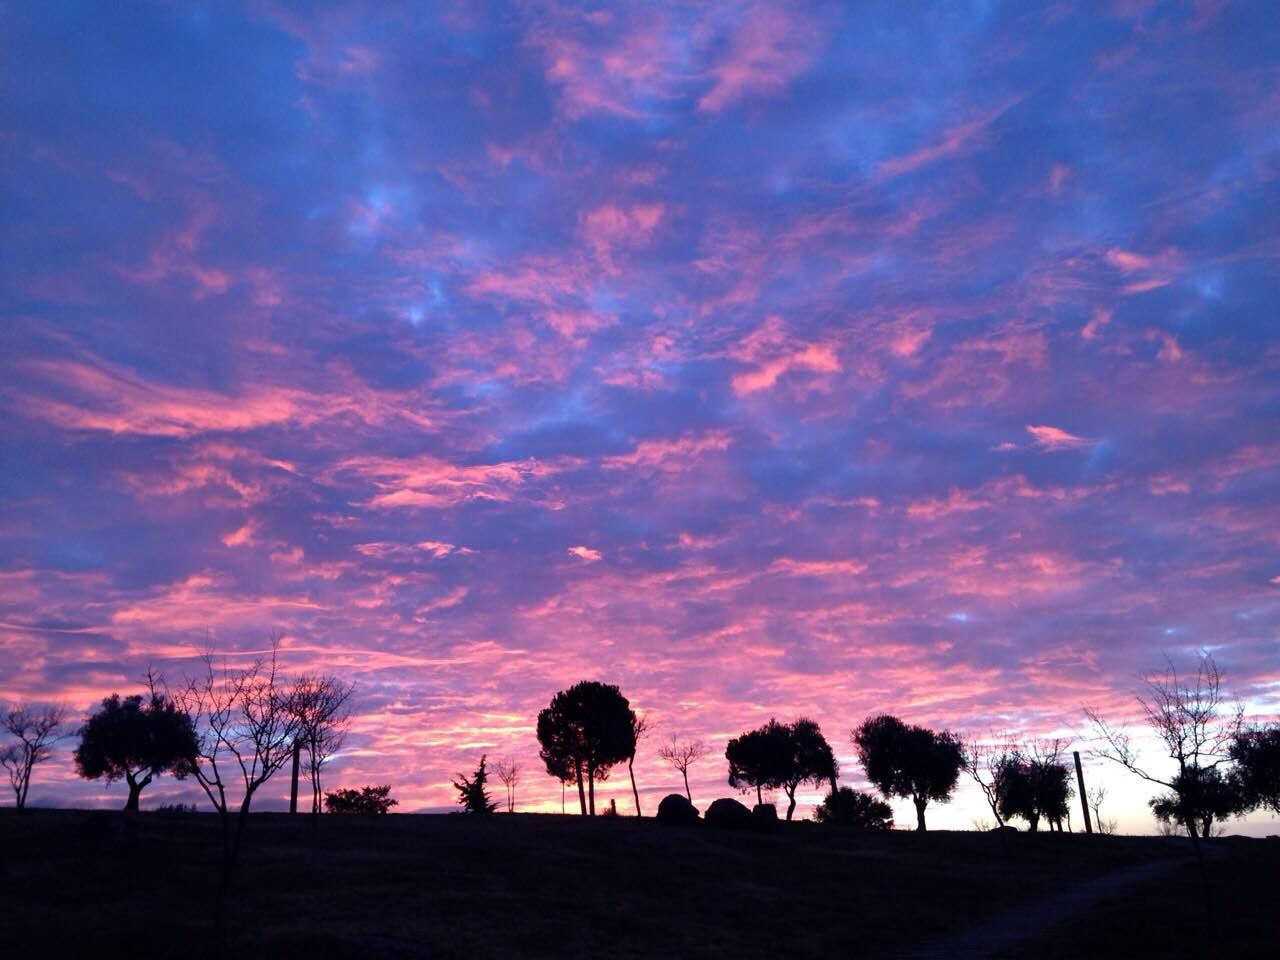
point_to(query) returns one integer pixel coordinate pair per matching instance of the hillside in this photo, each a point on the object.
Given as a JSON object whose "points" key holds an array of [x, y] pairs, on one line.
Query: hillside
{"points": [[76, 883]]}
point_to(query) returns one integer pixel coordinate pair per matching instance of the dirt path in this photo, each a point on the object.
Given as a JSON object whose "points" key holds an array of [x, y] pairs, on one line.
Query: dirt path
{"points": [[1007, 931]]}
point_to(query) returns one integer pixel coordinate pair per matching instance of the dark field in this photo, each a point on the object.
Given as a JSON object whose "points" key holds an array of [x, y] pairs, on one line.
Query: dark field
{"points": [[78, 884]]}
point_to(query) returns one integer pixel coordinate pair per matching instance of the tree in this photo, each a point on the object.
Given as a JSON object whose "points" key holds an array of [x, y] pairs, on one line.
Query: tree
{"points": [[323, 708], [759, 758], [1199, 798], [586, 730], [682, 754], [509, 774], [781, 755], [1035, 786], [1098, 796], [136, 739], [639, 730], [36, 730], [246, 725], [373, 800], [853, 808], [984, 763], [1193, 720], [472, 792], [1257, 757], [909, 761]]}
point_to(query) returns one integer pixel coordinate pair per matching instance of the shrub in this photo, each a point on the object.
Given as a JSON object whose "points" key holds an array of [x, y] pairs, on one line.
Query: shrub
{"points": [[729, 814], [852, 808], [675, 810], [364, 800]]}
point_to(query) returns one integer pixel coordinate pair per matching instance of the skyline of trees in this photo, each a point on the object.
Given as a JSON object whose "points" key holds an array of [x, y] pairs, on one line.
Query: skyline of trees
{"points": [[1028, 782]]}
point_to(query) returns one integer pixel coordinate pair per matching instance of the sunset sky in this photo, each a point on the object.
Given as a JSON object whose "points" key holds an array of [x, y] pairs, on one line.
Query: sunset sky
{"points": [[761, 358]]}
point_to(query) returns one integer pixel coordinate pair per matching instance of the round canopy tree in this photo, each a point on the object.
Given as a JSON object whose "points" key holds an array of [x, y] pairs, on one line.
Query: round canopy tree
{"points": [[136, 739], [909, 761], [583, 732], [781, 755]]}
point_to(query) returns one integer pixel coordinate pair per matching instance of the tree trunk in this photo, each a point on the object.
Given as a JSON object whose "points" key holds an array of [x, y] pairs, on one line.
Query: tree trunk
{"points": [[131, 805], [791, 804], [688, 796], [582, 794], [634, 792], [591, 790], [920, 803], [759, 797]]}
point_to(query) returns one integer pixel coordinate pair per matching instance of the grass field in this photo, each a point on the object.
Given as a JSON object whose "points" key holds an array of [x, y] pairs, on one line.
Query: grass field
{"points": [[77, 884]]}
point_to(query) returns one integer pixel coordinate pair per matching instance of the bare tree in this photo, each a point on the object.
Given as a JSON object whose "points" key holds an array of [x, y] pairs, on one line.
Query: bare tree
{"points": [[639, 730], [246, 724], [322, 705], [1097, 796], [509, 774], [682, 754], [36, 730], [1192, 717], [984, 762]]}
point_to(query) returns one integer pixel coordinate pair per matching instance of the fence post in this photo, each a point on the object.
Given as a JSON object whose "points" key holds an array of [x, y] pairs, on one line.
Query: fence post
{"points": [[1084, 799]]}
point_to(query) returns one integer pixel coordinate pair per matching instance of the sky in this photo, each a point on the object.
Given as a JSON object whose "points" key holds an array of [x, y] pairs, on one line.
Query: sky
{"points": [[763, 358]]}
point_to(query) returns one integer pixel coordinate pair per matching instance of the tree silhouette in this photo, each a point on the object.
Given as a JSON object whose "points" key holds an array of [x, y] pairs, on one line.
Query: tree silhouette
{"points": [[639, 730], [1194, 720], [909, 761], [1035, 787], [472, 791], [853, 808], [984, 764], [36, 730], [1257, 757], [586, 730], [136, 739], [370, 800], [1202, 795], [246, 726], [323, 708], [781, 755], [759, 758], [509, 774], [682, 754]]}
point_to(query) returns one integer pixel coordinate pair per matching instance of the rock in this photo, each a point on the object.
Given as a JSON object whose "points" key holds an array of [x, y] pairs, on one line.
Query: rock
{"points": [[729, 814], [676, 811], [765, 816]]}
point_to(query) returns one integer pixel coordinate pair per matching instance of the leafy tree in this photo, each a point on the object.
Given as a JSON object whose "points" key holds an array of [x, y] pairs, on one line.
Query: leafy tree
{"points": [[583, 732], [759, 758], [853, 808], [1257, 757], [1034, 788], [781, 756], [35, 730], [1200, 796], [136, 739], [472, 791], [365, 800], [909, 761]]}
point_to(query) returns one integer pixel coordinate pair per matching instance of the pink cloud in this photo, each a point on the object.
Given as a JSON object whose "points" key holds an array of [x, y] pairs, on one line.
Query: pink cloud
{"points": [[769, 48], [585, 553], [1055, 438]]}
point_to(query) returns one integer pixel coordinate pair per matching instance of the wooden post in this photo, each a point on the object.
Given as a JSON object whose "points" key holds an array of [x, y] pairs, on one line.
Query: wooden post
{"points": [[1084, 798], [293, 788]]}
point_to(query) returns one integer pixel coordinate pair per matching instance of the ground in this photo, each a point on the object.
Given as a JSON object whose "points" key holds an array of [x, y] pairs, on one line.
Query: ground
{"points": [[91, 884]]}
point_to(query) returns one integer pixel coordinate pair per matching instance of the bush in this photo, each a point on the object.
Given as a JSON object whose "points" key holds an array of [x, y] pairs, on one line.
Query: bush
{"points": [[728, 814], [175, 809], [675, 810], [852, 808], [364, 800]]}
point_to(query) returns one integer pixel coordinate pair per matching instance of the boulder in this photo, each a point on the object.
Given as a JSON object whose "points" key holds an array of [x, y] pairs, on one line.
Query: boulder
{"points": [[729, 814], [765, 816], [675, 810]]}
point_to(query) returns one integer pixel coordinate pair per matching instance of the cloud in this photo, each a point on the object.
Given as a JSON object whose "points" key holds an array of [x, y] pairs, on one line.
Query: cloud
{"points": [[586, 553], [1052, 439]]}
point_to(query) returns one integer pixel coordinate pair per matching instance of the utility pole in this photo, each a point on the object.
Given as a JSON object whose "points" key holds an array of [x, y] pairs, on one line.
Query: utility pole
{"points": [[293, 788], [1084, 799]]}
